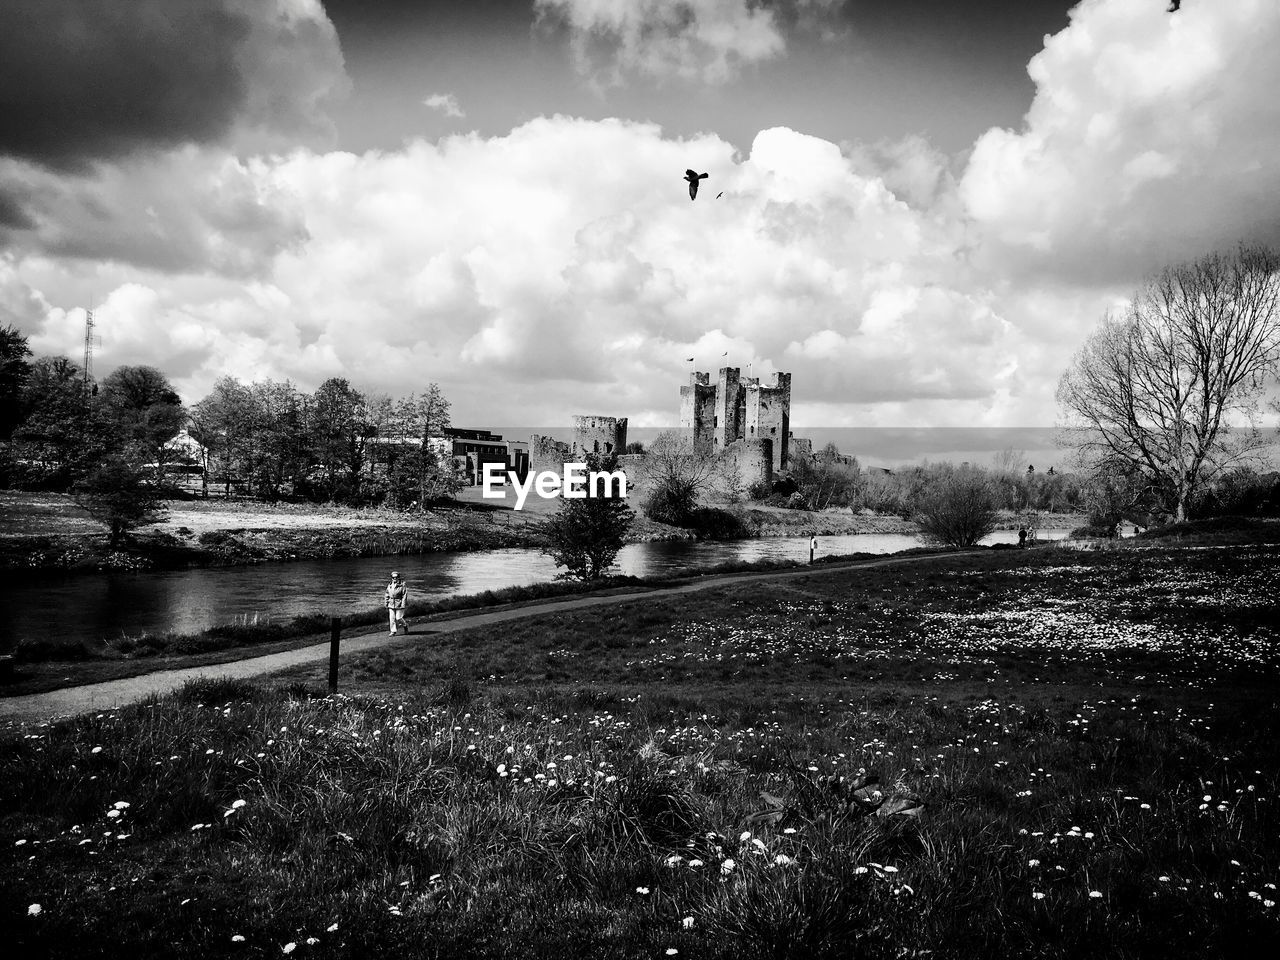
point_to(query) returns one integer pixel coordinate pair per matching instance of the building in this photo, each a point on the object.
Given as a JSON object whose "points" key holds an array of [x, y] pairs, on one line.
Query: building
{"points": [[738, 409], [470, 450]]}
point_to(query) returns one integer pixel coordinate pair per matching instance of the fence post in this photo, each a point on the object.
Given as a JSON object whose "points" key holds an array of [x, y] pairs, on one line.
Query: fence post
{"points": [[335, 632]]}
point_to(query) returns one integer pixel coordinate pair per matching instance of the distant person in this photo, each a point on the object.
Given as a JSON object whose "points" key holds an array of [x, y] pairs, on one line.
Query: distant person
{"points": [[397, 596], [1022, 536], [813, 547]]}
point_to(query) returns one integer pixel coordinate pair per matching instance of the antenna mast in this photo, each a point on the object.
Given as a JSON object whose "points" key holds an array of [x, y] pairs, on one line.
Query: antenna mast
{"points": [[88, 347]]}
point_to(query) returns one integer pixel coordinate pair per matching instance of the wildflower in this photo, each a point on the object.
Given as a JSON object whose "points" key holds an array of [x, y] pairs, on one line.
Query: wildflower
{"points": [[121, 805], [35, 910], [695, 864], [782, 860], [1163, 879], [1037, 895], [643, 891], [331, 928], [672, 951], [687, 923], [237, 938], [859, 870], [674, 860], [1095, 894], [289, 947], [312, 941], [744, 836], [1033, 863], [96, 750], [789, 830], [726, 868], [237, 804]]}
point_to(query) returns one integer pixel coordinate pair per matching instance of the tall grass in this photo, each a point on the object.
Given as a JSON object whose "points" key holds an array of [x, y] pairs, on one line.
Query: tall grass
{"points": [[597, 822]]}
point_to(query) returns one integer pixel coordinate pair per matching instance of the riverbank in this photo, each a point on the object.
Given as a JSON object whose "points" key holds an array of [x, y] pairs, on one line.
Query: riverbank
{"points": [[50, 532], [1017, 754]]}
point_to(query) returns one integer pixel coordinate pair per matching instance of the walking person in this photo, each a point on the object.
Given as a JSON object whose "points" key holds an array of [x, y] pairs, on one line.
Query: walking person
{"points": [[813, 546], [397, 597], [1022, 536]]}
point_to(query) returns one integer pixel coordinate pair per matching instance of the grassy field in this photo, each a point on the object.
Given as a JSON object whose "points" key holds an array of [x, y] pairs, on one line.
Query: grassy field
{"points": [[1049, 753]]}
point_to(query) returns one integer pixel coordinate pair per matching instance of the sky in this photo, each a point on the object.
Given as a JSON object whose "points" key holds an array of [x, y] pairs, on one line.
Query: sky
{"points": [[918, 208]]}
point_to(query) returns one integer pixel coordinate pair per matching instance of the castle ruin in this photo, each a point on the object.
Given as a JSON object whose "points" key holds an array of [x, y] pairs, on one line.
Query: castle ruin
{"points": [[591, 434], [739, 410]]}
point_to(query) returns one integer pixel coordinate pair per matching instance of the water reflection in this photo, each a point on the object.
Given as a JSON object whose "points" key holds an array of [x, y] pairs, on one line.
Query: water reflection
{"points": [[185, 601]]}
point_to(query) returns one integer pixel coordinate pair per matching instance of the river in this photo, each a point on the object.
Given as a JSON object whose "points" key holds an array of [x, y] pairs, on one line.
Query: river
{"points": [[96, 606]]}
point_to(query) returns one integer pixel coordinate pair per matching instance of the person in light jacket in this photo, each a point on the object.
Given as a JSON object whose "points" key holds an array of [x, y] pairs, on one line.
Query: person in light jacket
{"points": [[397, 596]]}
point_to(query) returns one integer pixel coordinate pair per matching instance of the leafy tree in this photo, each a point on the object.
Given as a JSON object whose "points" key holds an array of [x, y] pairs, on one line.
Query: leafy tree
{"points": [[425, 419], [1158, 387], [14, 371], [142, 410], [956, 509], [224, 422], [586, 533], [279, 455], [57, 440], [120, 493], [339, 432]]}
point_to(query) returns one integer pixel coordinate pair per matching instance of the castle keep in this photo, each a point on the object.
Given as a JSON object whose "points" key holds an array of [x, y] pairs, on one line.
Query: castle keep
{"points": [[739, 410]]}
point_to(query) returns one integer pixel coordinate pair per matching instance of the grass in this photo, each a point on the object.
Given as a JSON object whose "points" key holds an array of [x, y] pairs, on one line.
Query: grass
{"points": [[1048, 753]]}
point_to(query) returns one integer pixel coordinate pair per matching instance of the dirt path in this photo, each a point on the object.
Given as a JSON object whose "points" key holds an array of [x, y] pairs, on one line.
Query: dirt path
{"points": [[117, 693]]}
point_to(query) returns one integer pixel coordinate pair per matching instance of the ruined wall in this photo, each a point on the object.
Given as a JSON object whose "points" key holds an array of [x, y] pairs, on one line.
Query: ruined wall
{"points": [[548, 453], [799, 448], [602, 435], [753, 460]]}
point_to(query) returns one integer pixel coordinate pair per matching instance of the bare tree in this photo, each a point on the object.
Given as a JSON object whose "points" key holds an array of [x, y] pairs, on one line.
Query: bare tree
{"points": [[1159, 387], [677, 475]]}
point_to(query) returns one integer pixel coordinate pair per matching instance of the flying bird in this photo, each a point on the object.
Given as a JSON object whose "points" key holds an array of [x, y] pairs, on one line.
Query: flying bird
{"points": [[1174, 6], [720, 194], [690, 359], [693, 179]]}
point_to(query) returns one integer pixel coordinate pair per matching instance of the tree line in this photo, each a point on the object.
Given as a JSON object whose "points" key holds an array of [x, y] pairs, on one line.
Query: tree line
{"points": [[60, 430]]}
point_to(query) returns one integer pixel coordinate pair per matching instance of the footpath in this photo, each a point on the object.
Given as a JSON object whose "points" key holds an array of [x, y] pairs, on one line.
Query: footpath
{"points": [[111, 694]]}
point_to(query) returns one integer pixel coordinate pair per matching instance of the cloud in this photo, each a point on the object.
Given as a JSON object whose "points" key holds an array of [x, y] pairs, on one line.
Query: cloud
{"points": [[562, 269], [1152, 137], [84, 80], [186, 210], [698, 40], [445, 103]]}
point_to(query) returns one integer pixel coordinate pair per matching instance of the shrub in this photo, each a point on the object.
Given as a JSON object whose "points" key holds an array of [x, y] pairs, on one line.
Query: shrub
{"points": [[587, 532], [956, 510]]}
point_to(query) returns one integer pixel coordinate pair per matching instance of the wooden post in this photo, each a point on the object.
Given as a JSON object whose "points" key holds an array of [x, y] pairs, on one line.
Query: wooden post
{"points": [[335, 632]]}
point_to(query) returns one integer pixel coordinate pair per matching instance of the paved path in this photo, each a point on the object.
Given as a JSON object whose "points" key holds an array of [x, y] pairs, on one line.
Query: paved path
{"points": [[116, 693]]}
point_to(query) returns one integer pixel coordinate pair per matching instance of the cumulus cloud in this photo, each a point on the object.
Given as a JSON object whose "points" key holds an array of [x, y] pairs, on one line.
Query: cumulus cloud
{"points": [[703, 40], [445, 103], [82, 80], [1152, 137], [562, 269]]}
